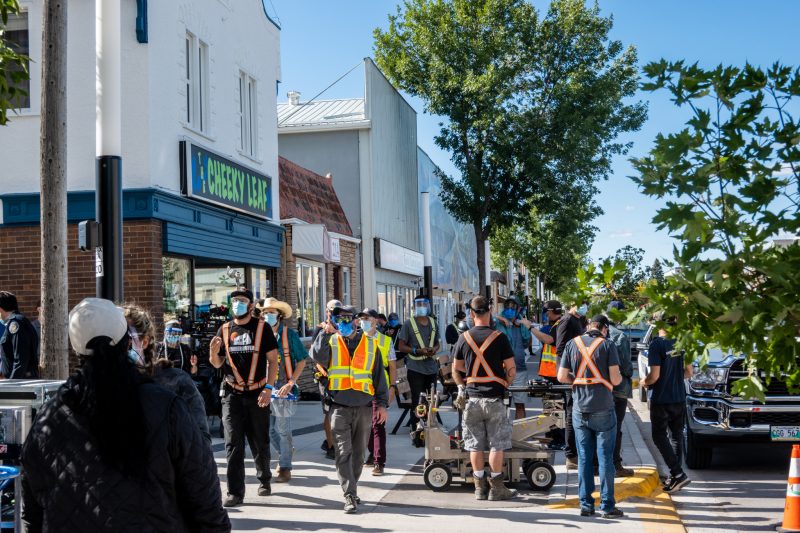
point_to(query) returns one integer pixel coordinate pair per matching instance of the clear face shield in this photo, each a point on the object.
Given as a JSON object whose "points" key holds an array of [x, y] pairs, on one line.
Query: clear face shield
{"points": [[422, 307]]}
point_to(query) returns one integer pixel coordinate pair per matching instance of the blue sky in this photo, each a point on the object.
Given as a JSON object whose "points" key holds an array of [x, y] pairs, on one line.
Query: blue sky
{"points": [[323, 39]]}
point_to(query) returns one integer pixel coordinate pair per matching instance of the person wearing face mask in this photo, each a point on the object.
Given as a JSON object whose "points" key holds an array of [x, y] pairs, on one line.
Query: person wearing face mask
{"points": [[331, 308], [392, 329], [516, 328], [569, 327], [355, 378], [250, 366], [368, 322], [19, 343], [419, 340], [173, 350], [142, 353], [292, 356]]}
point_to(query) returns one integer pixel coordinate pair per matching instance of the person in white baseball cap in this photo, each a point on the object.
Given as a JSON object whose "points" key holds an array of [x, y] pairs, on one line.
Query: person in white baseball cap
{"points": [[127, 441]]}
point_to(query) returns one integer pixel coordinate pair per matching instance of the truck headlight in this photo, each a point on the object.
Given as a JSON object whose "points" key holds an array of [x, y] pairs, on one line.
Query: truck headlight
{"points": [[708, 378]]}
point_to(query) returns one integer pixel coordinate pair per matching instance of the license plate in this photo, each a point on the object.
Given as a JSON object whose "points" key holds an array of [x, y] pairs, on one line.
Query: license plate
{"points": [[784, 432]]}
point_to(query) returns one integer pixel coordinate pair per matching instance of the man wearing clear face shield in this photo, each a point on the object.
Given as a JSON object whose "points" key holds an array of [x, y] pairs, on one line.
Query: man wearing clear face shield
{"points": [[419, 339], [173, 349]]}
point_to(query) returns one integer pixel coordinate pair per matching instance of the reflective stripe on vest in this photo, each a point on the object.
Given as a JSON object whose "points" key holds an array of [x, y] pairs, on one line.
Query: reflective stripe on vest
{"points": [[548, 363], [287, 356], [595, 378], [344, 372], [238, 382], [480, 360], [421, 344], [384, 344]]}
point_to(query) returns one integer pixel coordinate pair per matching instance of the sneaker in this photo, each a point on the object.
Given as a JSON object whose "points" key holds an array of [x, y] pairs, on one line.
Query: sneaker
{"points": [[369, 462], [324, 445], [613, 513], [350, 504], [284, 476], [621, 471], [265, 489], [587, 512], [331, 453], [572, 463], [232, 501], [676, 483], [499, 491], [377, 470]]}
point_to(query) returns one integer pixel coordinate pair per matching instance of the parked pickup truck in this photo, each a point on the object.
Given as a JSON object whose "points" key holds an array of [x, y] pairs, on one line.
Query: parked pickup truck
{"points": [[714, 415]]}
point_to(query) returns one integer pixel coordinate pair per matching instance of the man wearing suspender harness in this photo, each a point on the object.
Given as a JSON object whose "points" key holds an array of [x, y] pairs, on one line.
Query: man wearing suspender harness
{"points": [[250, 365], [292, 357], [485, 356], [591, 364], [419, 339]]}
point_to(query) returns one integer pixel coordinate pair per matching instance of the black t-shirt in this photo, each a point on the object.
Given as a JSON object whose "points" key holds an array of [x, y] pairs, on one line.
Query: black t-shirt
{"points": [[568, 328], [495, 354], [241, 342]]}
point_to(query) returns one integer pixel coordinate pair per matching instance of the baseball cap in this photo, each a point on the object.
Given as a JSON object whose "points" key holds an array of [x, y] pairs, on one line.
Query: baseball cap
{"points": [[92, 318], [600, 319], [553, 305], [333, 305], [347, 309], [368, 312], [243, 292]]}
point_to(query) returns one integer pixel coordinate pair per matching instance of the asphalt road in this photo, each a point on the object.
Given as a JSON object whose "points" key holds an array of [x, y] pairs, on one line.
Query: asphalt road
{"points": [[743, 490]]}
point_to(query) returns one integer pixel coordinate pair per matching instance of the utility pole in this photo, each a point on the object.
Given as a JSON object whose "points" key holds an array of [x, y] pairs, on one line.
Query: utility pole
{"points": [[53, 191], [426, 245]]}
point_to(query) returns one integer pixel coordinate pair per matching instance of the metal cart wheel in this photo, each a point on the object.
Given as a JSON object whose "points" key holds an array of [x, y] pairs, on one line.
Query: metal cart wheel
{"points": [[438, 477], [541, 476]]}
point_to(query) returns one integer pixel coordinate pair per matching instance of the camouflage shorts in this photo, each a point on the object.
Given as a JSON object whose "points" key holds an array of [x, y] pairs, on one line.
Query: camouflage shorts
{"points": [[486, 425]]}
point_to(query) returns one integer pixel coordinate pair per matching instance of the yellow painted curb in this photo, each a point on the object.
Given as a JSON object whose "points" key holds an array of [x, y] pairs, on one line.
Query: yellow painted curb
{"points": [[641, 485], [660, 515]]}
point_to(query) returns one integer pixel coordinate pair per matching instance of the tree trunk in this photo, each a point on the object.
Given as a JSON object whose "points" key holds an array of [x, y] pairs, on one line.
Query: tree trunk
{"points": [[53, 181], [480, 241]]}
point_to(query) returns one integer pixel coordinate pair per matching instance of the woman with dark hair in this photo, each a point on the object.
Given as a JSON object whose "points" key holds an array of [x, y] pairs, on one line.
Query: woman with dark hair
{"points": [[113, 451], [160, 369]]}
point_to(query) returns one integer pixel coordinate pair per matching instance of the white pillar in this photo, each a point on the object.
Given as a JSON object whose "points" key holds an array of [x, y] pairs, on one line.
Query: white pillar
{"points": [[108, 123]]}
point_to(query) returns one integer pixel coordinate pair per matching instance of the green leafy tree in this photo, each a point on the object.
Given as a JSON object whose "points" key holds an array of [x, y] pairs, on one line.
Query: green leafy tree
{"points": [[530, 104], [656, 272], [731, 185], [627, 283], [13, 66]]}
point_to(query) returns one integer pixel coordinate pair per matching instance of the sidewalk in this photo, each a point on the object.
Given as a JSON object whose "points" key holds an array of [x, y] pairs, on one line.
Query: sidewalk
{"points": [[400, 501]]}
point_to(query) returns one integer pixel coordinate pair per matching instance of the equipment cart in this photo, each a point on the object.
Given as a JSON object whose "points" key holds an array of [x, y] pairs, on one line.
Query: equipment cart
{"points": [[446, 458]]}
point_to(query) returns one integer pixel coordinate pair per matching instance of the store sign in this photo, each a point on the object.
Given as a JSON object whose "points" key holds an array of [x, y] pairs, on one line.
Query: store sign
{"points": [[212, 178], [394, 257], [336, 254]]}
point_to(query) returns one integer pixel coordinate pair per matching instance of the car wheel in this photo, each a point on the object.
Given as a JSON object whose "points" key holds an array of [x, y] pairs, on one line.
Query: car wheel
{"points": [[697, 450]]}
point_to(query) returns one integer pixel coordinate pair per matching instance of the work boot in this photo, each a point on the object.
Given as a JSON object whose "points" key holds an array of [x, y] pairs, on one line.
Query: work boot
{"points": [[481, 488], [621, 471], [350, 505], [498, 490], [331, 453], [284, 476], [572, 463], [265, 489], [232, 501], [377, 470]]}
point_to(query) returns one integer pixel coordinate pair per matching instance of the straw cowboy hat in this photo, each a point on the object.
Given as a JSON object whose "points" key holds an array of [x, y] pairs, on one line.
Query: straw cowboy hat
{"points": [[283, 308]]}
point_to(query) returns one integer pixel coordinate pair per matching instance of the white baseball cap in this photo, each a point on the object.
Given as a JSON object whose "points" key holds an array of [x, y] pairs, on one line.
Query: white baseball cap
{"points": [[333, 304], [92, 318]]}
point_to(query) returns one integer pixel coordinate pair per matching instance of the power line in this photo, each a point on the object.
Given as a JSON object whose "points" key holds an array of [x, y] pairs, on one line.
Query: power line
{"points": [[320, 93]]}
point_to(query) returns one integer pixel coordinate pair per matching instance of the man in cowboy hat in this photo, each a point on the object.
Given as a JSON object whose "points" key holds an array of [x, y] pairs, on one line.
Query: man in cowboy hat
{"points": [[292, 357]]}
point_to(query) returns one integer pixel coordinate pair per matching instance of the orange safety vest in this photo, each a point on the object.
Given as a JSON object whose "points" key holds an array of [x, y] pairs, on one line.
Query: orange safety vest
{"points": [[287, 356], [548, 365], [480, 361], [238, 383], [596, 378], [344, 372]]}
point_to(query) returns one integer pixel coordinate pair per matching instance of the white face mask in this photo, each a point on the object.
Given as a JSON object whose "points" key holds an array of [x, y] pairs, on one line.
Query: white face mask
{"points": [[366, 325]]}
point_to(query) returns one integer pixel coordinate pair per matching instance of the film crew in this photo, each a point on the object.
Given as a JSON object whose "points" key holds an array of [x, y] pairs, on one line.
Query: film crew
{"points": [[624, 390], [419, 340], [591, 365], [321, 376], [250, 366], [452, 333], [569, 327], [292, 356], [113, 451], [667, 395], [161, 370], [376, 444], [517, 329], [19, 344], [173, 349], [485, 356], [355, 379], [391, 330]]}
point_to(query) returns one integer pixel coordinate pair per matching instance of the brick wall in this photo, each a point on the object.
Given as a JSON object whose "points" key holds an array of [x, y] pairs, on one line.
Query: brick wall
{"points": [[20, 266]]}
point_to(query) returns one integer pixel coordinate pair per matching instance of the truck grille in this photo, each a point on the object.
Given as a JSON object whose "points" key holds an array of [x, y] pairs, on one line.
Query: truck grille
{"points": [[776, 387], [776, 419]]}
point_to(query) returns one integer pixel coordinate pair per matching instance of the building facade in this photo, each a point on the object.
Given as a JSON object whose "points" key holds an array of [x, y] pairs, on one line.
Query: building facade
{"points": [[199, 154], [369, 147]]}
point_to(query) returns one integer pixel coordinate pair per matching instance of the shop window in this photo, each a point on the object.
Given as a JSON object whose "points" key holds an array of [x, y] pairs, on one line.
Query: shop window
{"points": [[177, 287], [309, 298], [213, 286], [16, 36], [262, 281], [346, 286]]}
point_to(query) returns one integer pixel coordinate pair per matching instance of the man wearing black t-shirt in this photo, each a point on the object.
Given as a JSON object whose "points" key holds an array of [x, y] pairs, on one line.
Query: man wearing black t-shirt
{"points": [[250, 364], [485, 356]]}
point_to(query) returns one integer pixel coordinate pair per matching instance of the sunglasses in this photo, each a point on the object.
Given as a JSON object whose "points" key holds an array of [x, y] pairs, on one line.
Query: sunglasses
{"points": [[343, 319]]}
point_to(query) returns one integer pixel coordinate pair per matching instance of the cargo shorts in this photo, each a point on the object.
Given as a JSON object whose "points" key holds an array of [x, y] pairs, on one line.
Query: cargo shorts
{"points": [[486, 425]]}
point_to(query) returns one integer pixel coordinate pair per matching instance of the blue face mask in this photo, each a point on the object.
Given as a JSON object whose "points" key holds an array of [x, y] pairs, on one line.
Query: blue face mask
{"points": [[366, 325], [134, 357], [393, 323], [271, 318], [420, 311], [582, 310], [239, 308], [345, 328], [510, 314]]}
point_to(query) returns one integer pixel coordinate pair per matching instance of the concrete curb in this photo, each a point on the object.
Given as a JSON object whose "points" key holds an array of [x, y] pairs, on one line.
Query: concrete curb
{"points": [[643, 484]]}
